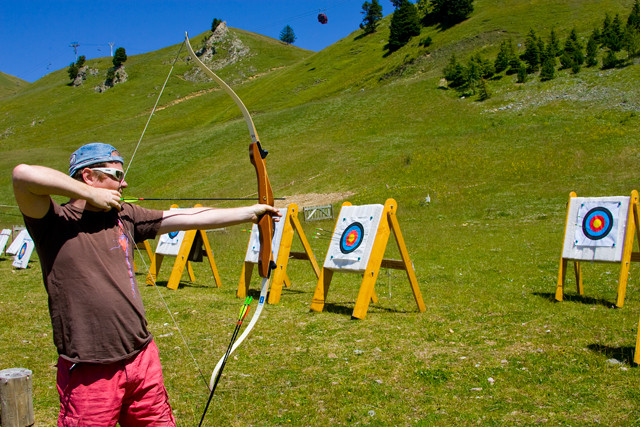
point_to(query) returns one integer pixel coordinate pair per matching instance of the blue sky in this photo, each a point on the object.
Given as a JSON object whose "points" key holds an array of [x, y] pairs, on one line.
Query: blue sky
{"points": [[36, 35]]}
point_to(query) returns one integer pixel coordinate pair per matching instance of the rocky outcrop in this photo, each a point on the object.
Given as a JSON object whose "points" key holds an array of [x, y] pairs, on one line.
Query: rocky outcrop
{"points": [[219, 50]]}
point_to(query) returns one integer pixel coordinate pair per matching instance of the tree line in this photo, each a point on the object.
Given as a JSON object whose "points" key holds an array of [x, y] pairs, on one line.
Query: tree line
{"points": [[604, 47], [409, 18]]}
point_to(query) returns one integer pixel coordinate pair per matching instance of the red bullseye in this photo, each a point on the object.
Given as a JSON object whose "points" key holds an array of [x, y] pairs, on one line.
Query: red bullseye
{"points": [[597, 223]]}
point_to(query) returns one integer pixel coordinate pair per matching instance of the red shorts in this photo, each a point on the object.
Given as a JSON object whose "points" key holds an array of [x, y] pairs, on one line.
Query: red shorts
{"points": [[130, 392]]}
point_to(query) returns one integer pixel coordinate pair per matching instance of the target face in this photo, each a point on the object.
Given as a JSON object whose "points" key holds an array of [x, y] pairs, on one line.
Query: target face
{"points": [[23, 250], [597, 223], [351, 238]]}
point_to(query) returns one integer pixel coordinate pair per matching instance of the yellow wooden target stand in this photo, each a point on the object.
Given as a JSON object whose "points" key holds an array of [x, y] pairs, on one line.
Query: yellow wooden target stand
{"points": [[281, 243], [186, 246], [619, 249], [358, 245]]}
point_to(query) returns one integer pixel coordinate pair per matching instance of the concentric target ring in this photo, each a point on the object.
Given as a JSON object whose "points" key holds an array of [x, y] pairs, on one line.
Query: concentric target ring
{"points": [[351, 238], [597, 223], [23, 250]]}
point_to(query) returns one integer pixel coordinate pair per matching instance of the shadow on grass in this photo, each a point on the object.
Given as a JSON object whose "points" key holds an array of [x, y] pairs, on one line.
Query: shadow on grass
{"points": [[550, 296], [347, 308], [163, 284], [623, 354]]}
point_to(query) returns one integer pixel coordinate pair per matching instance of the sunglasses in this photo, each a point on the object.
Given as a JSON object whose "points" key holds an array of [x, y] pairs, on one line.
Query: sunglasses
{"points": [[114, 173]]}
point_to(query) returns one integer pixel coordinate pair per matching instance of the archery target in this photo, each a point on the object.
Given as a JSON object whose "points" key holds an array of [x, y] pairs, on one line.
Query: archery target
{"points": [[4, 238], [596, 228], [23, 255], [353, 238], [253, 250]]}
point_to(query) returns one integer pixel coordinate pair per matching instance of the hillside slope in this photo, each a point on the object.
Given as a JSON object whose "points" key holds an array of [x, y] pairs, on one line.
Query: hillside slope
{"points": [[10, 84]]}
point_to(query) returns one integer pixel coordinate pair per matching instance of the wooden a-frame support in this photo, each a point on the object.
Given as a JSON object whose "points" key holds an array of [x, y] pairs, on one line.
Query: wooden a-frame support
{"points": [[194, 241], [627, 255], [279, 275], [388, 223]]}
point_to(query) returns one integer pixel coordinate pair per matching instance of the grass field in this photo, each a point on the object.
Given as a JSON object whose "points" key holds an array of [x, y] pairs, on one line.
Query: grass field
{"points": [[492, 348]]}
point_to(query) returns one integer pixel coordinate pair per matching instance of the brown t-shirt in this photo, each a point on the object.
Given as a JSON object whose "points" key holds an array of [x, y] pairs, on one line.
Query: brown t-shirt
{"points": [[87, 266]]}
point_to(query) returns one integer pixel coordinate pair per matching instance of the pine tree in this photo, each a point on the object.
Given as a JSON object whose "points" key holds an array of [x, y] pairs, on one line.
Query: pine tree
{"points": [[72, 71], [287, 35], [454, 73], [372, 14], [483, 91], [119, 57], [605, 35], [405, 24], [554, 43], [548, 67], [522, 72], [450, 12], [214, 24], [632, 41], [504, 56], [610, 60], [632, 31], [592, 50], [531, 53], [612, 33], [633, 21]]}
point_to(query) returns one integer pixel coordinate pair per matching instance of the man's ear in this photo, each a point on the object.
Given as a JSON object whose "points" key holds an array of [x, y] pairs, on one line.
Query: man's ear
{"points": [[88, 176]]}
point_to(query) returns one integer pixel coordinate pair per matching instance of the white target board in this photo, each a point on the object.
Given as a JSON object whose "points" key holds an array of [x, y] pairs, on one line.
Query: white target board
{"points": [[4, 238], [253, 250], [596, 228], [15, 246], [353, 238], [169, 243], [21, 260]]}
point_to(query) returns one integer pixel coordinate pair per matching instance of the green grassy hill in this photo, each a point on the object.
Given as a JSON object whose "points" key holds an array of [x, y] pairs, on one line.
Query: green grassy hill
{"points": [[10, 84], [352, 119]]}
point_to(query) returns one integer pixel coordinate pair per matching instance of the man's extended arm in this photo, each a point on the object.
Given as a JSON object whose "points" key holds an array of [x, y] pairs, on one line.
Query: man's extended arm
{"points": [[207, 218]]}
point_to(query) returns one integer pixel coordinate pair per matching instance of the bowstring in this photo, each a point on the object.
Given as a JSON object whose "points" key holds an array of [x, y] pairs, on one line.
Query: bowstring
{"points": [[136, 248], [175, 322]]}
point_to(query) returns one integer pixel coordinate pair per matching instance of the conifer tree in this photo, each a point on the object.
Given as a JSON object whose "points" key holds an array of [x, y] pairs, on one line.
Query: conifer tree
{"points": [[372, 14], [483, 90], [72, 71], [504, 56], [612, 33], [531, 53], [610, 60], [119, 57], [548, 67], [592, 50], [287, 35], [405, 24], [554, 43], [454, 72], [633, 20], [632, 31], [214, 24], [522, 72], [450, 12]]}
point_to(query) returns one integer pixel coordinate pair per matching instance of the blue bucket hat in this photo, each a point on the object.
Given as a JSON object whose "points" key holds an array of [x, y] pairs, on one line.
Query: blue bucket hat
{"points": [[90, 154]]}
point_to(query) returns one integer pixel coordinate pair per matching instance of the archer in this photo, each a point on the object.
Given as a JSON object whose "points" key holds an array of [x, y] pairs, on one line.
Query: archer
{"points": [[108, 367]]}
